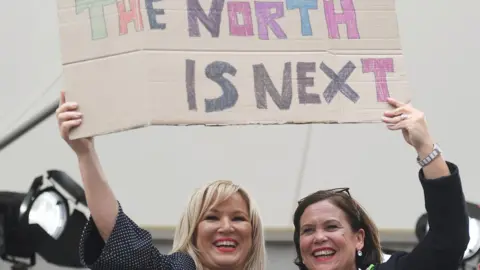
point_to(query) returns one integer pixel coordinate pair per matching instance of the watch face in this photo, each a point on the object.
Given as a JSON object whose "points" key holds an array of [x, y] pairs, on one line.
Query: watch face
{"points": [[49, 212]]}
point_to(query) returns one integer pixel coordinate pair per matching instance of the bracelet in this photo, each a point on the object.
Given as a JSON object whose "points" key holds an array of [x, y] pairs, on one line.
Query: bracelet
{"points": [[431, 157]]}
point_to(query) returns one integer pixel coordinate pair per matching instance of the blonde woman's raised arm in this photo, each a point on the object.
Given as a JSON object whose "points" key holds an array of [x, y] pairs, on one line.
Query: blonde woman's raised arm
{"points": [[101, 201]]}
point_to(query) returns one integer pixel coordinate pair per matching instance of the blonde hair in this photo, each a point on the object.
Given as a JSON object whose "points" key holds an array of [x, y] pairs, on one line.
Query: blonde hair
{"points": [[200, 202]]}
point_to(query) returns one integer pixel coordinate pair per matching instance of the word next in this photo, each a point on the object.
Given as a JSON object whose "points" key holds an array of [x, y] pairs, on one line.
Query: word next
{"points": [[263, 84]]}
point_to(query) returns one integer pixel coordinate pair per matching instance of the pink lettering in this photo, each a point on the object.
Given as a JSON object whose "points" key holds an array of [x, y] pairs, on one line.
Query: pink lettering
{"points": [[347, 17], [236, 28], [379, 67], [126, 17]]}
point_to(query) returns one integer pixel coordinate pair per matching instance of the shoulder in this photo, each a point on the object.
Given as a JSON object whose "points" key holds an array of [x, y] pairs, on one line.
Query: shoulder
{"points": [[392, 262], [177, 261], [128, 247], [157, 261]]}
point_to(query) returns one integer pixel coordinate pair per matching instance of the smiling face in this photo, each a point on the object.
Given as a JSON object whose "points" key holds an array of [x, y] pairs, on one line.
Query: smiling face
{"points": [[327, 241], [224, 235]]}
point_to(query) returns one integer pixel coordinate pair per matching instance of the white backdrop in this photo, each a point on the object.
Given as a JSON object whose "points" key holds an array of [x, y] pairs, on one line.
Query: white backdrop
{"points": [[153, 170]]}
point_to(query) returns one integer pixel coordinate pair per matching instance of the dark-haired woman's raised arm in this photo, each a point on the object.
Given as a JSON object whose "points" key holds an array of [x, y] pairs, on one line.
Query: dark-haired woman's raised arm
{"points": [[446, 241]]}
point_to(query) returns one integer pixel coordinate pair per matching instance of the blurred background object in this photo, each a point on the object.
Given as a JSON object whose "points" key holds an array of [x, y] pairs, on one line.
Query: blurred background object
{"points": [[47, 220]]}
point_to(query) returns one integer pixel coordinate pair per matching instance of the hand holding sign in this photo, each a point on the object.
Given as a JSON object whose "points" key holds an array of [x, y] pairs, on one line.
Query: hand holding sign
{"points": [[412, 123], [68, 118]]}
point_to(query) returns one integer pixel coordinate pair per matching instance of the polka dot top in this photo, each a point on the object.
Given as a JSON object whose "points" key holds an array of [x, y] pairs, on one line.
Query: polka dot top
{"points": [[128, 247]]}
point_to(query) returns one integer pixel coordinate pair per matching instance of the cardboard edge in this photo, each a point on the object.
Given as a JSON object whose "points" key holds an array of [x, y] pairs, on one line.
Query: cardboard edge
{"points": [[79, 135], [265, 123]]}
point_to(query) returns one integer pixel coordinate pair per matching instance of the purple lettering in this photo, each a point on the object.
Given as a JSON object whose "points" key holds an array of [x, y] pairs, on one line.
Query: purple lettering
{"points": [[266, 19], [211, 21], [190, 84], [303, 81], [263, 84]]}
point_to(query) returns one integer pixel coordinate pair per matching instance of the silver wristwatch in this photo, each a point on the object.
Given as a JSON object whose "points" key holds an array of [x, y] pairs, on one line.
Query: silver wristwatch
{"points": [[431, 157]]}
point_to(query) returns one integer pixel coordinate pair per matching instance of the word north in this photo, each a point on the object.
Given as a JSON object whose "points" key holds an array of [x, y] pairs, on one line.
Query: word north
{"points": [[240, 17]]}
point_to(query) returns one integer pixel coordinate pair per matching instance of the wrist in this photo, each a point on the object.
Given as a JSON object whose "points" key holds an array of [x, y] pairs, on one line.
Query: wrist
{"points": [[426, 156], [425, 149], [87, 154]]}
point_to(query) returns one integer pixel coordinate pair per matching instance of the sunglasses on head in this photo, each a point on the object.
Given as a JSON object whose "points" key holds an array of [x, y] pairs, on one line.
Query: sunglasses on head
{"points": [[332, 191]]}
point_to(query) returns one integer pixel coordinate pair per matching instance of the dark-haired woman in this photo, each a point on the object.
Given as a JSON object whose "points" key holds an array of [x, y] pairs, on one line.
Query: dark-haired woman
{"points": [[333, 232]]}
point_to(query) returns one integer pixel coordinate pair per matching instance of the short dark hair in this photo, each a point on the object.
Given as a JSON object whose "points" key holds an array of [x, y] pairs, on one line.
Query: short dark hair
{"points": [[357, 217]]}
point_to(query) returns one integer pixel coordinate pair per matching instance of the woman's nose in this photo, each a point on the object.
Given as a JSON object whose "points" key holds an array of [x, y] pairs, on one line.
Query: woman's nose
{"points": [[319, 237], [225, 224]]}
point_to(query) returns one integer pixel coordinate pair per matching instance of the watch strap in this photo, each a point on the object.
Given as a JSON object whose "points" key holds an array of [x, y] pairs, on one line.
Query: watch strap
{"points": [[431, 157]]}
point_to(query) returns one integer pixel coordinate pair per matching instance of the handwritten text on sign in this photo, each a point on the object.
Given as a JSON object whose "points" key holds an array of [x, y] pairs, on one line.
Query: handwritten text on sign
{"points": [[352, 46], [264, 85], [239, 17]]}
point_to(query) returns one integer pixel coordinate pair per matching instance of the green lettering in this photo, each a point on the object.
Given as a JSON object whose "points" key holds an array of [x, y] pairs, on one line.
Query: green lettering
{"points": [[98, 24]]}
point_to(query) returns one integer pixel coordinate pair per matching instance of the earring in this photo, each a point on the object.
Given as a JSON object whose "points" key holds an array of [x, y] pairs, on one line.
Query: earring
{"points": [[359, 253]]}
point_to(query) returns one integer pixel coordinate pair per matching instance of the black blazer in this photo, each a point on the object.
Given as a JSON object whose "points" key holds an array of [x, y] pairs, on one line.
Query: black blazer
{"points": [[447, 239], [130, 247]]}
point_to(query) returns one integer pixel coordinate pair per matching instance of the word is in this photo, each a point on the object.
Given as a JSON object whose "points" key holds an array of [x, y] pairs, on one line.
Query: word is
{"points": [[264, 85]]}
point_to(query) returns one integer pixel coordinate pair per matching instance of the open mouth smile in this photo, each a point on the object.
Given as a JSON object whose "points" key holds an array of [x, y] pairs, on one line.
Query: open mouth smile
{"points": [[323, 254], [225, 245]]}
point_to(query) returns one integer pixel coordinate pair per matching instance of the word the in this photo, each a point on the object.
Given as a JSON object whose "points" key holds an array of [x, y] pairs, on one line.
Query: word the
{"points": [[240, 16], [263, 84]]}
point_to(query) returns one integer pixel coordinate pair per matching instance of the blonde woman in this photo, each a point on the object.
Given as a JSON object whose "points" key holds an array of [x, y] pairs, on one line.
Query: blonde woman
{"points": [[220, 229]]}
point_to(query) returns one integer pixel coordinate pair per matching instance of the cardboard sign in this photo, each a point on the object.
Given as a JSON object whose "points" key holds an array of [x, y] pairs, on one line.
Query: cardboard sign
{"points": [[134, 63]]}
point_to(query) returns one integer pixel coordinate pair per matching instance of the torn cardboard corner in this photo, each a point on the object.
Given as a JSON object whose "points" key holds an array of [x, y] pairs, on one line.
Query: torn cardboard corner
{"points": [[134, 63]]}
